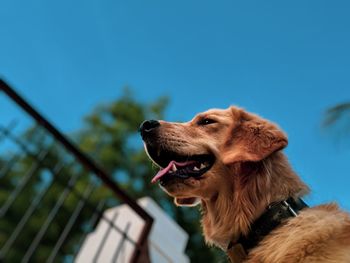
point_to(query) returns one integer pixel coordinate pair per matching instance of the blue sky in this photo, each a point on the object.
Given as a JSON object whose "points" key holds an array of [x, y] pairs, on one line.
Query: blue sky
{"points": [[287, 61]]}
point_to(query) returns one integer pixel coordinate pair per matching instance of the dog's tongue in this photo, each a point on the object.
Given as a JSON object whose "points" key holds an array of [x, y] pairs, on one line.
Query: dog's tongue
{"points": [[165, 170]]}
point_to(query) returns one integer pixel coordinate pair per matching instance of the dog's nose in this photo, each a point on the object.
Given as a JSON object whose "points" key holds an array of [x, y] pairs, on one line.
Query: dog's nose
{"points": [[147, 127]]}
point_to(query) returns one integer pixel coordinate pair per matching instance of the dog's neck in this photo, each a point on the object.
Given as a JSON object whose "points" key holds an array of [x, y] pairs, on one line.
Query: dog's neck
{"points": [[230, 212]]}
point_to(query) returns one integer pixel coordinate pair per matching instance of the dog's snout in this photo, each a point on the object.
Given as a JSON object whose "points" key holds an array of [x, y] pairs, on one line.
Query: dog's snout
{"points": [[147, 127]]}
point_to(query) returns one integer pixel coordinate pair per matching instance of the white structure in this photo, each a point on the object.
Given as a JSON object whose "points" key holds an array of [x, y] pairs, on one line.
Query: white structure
{"points": [[167, 240]]}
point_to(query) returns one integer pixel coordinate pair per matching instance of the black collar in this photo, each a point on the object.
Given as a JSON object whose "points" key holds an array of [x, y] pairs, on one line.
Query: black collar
{"points": [[273, 216]]}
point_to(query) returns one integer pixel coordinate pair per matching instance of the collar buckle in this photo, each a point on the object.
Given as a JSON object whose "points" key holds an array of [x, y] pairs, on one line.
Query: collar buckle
{"points": [[290, 209]]}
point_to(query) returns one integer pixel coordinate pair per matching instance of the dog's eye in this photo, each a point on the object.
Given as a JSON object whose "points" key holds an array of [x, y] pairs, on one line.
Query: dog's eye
{"points": [[205, 121]]}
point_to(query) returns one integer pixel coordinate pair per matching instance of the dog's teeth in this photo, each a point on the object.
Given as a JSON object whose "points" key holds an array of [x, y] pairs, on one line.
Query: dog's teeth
{"points": [[195, 168], [174, 169], [202, 166]]}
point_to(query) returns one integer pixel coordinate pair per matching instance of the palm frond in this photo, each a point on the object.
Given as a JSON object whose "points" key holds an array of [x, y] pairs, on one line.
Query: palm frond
{"points": [[336, 114]]}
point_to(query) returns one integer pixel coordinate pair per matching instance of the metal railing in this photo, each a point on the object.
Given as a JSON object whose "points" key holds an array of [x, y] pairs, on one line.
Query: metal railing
{"points": [[49, 195]]}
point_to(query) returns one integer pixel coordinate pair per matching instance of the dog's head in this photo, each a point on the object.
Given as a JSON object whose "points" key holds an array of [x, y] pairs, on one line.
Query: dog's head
{"points": [[194, 156]]}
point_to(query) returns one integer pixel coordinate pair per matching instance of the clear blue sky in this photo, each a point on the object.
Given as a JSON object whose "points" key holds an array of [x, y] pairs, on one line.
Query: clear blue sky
{"points": [[285, 60]]}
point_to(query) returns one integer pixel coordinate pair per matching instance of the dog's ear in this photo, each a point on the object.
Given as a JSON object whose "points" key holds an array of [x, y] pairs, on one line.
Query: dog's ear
{"points": [[252, 138], [190, 201]]}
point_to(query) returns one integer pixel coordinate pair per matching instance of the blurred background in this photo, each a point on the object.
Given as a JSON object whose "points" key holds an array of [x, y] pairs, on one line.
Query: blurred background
{"points": [[96, 69]]}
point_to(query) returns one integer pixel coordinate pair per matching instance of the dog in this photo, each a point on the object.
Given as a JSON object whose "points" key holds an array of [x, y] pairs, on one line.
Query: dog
{"points": [[230, 162]]}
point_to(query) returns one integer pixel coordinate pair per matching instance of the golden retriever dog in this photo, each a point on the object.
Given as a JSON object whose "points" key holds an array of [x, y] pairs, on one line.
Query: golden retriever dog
{"points": [[230, 162]]}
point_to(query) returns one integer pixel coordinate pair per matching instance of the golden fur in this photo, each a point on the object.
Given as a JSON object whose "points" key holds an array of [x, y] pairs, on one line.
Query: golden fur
{"points": [[249, 173]]}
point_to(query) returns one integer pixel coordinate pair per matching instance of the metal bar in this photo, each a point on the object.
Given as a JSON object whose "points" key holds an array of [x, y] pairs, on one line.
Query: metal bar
{"points": [[70, 223], [161, 252], [93, 221], [121, 243], [10, 163], [49, 219], [23, 147], [35, 166], [6, 168], [11, 126], [141, 244], [104, 239], [89, 164], [100, 213], [35, 203]]}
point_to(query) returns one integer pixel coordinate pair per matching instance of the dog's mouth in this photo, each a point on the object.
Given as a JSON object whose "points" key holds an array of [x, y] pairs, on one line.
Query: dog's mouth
{"points": [[173, 165]]}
